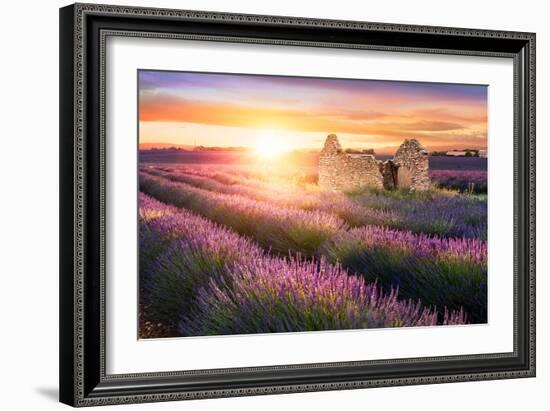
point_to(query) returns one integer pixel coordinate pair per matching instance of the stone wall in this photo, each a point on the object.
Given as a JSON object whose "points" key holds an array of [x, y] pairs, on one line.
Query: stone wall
{"points": [[340, 171], [411, 159]]}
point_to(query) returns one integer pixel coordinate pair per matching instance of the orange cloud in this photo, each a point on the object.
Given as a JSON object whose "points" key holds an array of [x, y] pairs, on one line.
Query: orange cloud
{"points": [[437, 122]]}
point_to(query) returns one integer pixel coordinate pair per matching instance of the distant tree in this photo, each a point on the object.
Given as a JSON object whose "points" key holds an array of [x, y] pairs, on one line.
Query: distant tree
{"points": [[468, 154], [359, 151], [438, 153]]}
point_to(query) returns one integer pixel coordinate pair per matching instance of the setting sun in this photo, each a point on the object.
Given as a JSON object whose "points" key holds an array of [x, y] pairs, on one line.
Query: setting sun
{"points": [[270, 145]]}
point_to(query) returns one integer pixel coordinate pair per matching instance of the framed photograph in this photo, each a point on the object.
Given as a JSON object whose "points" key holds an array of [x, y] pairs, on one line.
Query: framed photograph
{"points": [[260, 204]]}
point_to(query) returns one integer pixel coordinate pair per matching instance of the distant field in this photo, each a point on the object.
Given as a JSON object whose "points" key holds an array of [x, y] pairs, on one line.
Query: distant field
{"points": [[458, 163], [191, 157], [457, 173], [308, 159]]}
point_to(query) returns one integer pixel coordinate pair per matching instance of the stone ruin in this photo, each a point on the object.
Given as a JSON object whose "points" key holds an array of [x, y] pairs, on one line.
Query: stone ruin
{"points": [[340, 171]]}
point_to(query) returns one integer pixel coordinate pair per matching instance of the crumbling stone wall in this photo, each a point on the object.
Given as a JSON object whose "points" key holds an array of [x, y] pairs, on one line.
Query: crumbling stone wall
{"points": [[342, 172], [411, 159]]}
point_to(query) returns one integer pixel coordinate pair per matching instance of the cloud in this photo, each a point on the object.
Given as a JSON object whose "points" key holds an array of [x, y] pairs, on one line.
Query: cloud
{"points": [[471, 114], [375, 112], [173, 109], [351, 114]]}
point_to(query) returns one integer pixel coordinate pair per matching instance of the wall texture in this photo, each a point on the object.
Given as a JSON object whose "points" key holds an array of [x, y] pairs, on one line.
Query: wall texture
{"points": [[342, 171], [411, 160]]}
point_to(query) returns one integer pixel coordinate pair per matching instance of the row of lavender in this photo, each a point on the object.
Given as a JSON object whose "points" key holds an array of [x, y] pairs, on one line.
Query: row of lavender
{"points": [[446, 214], [448, 173], [441, 272], [205, 279]]}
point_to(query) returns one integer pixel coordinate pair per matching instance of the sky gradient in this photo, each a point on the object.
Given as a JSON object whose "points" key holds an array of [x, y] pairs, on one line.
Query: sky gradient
{"points": [[237, 110]]}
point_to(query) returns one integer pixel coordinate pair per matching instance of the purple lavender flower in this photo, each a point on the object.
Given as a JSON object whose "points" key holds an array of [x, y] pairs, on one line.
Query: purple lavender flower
{"points": [[210, 280], [442, 272], [284, 295], [179, 252], [448, 269], [444, 215], [276, 227]]}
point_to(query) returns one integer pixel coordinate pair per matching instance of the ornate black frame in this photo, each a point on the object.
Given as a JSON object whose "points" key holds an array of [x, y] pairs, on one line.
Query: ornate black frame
{"points": [[83, 30]]}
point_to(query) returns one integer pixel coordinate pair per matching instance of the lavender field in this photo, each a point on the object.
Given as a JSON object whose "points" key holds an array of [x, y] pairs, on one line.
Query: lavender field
{"points": [[227, 248]]}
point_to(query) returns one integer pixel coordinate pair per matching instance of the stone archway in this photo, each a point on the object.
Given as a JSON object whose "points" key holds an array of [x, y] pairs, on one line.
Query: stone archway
{"points": [[389, 174]]}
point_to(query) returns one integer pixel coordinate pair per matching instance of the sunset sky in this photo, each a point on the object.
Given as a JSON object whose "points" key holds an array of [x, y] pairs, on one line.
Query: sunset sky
{"points": [[241, 110]]}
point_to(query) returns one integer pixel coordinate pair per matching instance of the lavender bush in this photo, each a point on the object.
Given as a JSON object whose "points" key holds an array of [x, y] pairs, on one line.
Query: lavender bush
{"points": [[398, 260], [440, 272], [278, 228], [277, 295], [210, 280], [180, 252], [435, 212], [431, 244]]}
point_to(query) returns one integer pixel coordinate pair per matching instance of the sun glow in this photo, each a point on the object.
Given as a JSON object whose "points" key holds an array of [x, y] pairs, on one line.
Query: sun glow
{"points": [[269, 145]]}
